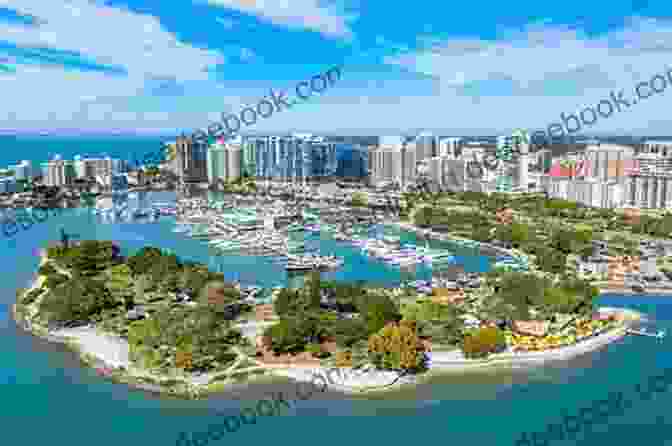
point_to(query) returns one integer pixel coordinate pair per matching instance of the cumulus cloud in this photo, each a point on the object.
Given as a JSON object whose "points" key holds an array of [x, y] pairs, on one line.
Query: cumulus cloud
{"points": [[542, 57], [56, 57]]}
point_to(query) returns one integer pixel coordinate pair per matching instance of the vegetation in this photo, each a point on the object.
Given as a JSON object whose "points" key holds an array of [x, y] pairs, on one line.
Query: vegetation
{"points": [[398, 347], [359, 199], [481, 342], [190, 339], [76, 301]]}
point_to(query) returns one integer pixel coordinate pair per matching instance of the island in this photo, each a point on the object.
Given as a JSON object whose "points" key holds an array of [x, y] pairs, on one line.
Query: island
{"points": [[157, 322]]}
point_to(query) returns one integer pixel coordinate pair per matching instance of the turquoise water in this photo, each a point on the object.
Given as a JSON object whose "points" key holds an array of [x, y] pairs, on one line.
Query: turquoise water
{"points": [[48, 398]]}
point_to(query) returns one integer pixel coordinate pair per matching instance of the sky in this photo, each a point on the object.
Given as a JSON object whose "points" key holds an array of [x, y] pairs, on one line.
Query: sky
{"points": [[144, 66]]}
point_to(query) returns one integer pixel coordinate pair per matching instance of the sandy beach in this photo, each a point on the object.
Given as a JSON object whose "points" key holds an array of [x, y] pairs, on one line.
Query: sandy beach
{"points": [[113, 352], [107, 350]]}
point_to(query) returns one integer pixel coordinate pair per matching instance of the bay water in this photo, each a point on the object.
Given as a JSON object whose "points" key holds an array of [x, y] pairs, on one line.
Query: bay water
{"points": [[48, 397]]}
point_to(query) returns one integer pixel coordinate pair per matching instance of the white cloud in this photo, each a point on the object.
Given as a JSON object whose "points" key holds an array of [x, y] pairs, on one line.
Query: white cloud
{"points": [[540, 52], [105, 35], [301, 14], [109, 36], [539, 62]]}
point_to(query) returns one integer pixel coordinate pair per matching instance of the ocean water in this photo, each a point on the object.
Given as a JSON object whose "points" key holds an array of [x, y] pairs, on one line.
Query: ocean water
{"points": [[40, 149], [49, 398]]}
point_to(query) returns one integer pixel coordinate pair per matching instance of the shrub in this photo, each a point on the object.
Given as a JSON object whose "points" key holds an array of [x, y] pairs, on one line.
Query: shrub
{"points": [[482, 342]]}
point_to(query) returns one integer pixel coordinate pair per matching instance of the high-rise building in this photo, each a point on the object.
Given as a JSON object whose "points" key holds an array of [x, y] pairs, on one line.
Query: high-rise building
{"points": [[386, 160], [544, 160], [453, 174], [59, 173], [353, 160], [509, 147], [224, 162], [23, 171], [449, 146], [607, 161], [662, 148], [409, 164], [191, 160], [649, 191], [248, 155], [96, 167], [425, 146]]}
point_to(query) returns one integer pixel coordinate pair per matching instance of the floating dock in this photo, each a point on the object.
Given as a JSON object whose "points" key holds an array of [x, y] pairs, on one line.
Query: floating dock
{"points": [[660, 334]]}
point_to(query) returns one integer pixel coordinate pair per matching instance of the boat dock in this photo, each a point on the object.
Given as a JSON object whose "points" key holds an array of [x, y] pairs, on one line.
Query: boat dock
{"points": [[659, 335]]}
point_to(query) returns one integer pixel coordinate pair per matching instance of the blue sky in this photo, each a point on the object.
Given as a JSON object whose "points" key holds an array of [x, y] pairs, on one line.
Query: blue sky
{"points": [[467, 67]]}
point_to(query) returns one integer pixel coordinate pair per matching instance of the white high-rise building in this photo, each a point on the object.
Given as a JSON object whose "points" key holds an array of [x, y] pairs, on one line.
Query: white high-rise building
{"points": [[649, 191], [57, 173], [95, 167], [224, 162], [523, 166], [424, 145], [23, 171], [386, 160], [662, 148], [449, 146]]}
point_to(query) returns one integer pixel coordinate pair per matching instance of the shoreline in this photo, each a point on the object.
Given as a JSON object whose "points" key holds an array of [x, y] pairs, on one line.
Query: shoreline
{"points": [[107, 351], [87, 341]]}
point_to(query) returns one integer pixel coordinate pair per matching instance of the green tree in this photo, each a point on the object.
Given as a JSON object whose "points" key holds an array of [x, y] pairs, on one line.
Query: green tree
{"points": [[314, 290], [521, 290], [119, 278], [551, 260], [142, 261], [288, 302], [378, 310], [76, 300]]}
